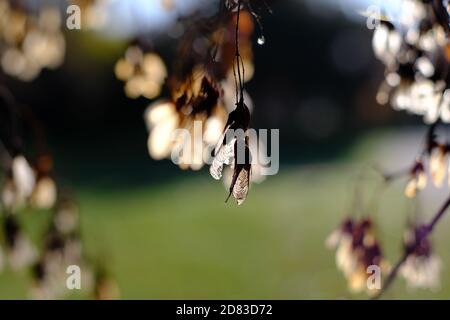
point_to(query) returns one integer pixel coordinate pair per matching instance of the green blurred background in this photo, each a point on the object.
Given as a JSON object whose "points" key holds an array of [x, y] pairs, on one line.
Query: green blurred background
{"points": [[177, 239], [165, 233]]}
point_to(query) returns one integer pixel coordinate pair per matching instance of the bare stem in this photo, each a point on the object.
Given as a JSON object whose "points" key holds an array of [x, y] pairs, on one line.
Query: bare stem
{"points": [[427, 229], [239, 62]]}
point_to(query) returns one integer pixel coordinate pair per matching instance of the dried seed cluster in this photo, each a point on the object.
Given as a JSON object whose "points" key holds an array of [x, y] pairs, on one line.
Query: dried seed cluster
{"points": [[30, 41], [356, 250], [416, 53]]}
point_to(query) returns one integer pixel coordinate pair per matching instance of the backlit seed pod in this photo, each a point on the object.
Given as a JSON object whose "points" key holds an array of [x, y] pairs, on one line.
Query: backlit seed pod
{"points": [[422, 271], [44, 194], [386, 43], [235, 130], [242, 184], [258, 151], [19, 184], [356, 250], [346, 261], [357, 280], [23, 176], [438, 165], [123, 69], [143, 73], [162, 120], [224, 156], [411, 188]]}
